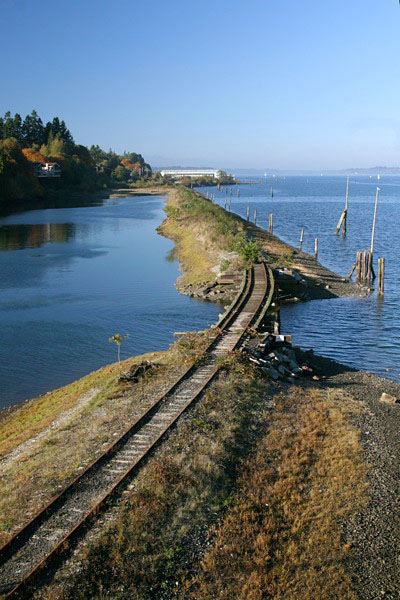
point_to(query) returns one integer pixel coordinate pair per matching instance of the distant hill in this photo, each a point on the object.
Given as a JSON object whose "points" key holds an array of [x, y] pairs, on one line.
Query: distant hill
{"points": [[374, 171]]}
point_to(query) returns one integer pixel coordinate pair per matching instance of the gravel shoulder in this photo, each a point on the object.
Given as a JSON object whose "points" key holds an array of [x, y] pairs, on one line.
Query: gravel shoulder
{"points": [[374, 532]]}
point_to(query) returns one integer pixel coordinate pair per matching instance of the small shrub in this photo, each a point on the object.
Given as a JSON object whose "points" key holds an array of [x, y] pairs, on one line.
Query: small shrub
{"points": [[224, 265]]}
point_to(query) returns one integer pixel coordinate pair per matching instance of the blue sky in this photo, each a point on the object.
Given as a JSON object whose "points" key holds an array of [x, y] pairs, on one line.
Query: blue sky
{"points": [[284, 84]]}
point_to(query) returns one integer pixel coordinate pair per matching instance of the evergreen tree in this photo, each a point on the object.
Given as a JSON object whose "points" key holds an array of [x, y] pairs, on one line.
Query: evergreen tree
{"points": [[33, 131], [12, 126]]}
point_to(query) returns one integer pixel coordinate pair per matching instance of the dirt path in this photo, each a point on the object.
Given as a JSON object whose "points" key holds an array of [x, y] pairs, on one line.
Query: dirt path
{"points": [[64, 418]]}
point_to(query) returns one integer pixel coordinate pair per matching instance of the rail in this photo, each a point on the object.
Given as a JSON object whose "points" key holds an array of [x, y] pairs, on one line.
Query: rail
{"points": [[247, 310]]}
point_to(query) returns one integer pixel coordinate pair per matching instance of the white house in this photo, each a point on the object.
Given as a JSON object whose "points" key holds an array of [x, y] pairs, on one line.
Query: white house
{"points": [[49, 169]]}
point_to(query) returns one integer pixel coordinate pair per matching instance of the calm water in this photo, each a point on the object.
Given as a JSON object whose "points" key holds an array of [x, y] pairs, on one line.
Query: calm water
{"points": [[364, 333], [71, 278]]}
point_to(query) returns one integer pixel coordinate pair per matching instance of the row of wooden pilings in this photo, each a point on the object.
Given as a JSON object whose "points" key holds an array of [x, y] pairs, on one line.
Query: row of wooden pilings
{"points": [[365, 273], [363, 266]]}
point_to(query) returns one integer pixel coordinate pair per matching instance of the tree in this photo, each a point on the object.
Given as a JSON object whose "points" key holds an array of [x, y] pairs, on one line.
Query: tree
{"points": [[33, 131], [55, 145], [12, 126], [58, 129], [117, 338], [120, 173]]}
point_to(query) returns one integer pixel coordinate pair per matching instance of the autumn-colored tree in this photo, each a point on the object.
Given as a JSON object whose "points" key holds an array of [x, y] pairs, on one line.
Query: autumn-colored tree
{"points": [[33, 155]]}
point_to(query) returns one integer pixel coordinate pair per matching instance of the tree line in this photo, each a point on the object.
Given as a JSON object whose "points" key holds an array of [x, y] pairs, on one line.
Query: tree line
{"points": [[24, 142]]}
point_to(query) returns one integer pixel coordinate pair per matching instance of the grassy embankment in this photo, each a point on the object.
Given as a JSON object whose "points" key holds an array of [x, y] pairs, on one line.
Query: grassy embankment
{"points": [[209, 240], [46, 442]]}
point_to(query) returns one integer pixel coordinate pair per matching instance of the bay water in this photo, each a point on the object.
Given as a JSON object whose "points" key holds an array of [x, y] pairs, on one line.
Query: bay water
{"points": [[70, 278], [361, 332]]}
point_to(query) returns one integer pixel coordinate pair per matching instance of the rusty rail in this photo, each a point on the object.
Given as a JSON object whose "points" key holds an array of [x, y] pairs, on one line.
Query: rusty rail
{"points": [[10, 548]]}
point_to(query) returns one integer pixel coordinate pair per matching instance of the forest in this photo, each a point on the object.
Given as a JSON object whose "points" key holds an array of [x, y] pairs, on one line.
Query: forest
{"points": [[25, 143]]}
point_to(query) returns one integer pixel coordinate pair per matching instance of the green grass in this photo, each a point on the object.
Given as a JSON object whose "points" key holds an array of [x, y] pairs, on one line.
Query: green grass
{"points": [[204, 231]]}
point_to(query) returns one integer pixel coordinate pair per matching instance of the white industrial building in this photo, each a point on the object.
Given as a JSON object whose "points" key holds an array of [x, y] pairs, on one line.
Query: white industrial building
{"points": [[178, 173]]}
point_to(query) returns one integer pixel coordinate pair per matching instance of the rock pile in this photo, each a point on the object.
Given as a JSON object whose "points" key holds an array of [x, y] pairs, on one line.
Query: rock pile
{"points": [[209, 291], [275, 356], [136, 372]]}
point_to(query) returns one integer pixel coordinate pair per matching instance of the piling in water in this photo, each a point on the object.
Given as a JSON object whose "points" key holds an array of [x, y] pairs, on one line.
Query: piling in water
{"points": [[381, 276], [301, 238]]}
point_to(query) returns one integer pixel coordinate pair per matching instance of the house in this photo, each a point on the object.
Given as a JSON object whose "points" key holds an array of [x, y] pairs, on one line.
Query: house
{"points": [[48, 169]]}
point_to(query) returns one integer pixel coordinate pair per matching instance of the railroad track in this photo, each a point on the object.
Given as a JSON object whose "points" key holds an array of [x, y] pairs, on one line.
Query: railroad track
{"points": [[49, 533]]}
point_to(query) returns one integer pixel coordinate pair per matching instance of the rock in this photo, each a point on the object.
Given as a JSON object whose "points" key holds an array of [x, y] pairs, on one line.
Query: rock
{"points": [[388, 399], [293, 365], [272, 373], [316, 378], [136, 372]]}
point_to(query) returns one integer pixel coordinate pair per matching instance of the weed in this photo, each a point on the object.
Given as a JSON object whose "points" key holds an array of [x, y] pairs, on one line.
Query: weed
{"points": [[224, 265]]}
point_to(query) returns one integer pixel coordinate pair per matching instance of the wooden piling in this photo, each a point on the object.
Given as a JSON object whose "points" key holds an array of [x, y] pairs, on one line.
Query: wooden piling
{"points": [[350, 273], [301, 238], [248, 212], [271, 224], [363, 266], [272, 192], [343, 217], [369, 266], [255, 216], [344, 227], [316, 248], [231, 191], [341, 221], [374, 223], [381, 276], [225, 203], [358, 266]]}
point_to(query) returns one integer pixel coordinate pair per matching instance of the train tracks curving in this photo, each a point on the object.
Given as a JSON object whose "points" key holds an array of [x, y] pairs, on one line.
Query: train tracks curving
{"points": [[46, 536]]}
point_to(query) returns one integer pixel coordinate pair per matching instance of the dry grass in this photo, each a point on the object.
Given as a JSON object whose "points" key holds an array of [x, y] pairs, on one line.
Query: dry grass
{"points": [[203, 233], [58, 454], [182, 489], [282, 538], [196, 259]]}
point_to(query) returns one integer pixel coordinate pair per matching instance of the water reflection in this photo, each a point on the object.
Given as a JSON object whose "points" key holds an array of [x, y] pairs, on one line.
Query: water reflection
{"points": [[58, 309], [171, 255], [18, 237]]}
